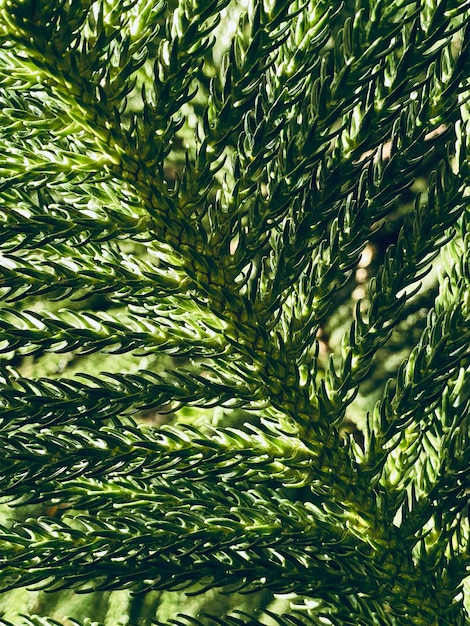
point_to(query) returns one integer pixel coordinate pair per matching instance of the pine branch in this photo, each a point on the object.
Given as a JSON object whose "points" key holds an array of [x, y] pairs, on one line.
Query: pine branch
{"points": [[220, 211]]}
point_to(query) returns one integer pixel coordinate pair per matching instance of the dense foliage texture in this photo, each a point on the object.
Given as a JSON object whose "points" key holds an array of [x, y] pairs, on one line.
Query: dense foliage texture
{"points": [[234, 324]]}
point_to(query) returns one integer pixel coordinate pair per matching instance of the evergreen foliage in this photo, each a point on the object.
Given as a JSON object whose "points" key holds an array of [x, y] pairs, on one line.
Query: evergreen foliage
{"points": [[234, 324]]}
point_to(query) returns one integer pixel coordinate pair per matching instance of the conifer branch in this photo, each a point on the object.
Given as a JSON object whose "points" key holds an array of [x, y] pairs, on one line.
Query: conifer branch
{"points": [[203, 213]]}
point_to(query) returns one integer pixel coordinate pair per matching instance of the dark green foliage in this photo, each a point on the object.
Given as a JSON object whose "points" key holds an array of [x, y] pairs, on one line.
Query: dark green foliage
{"points": [[234, 324]]}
